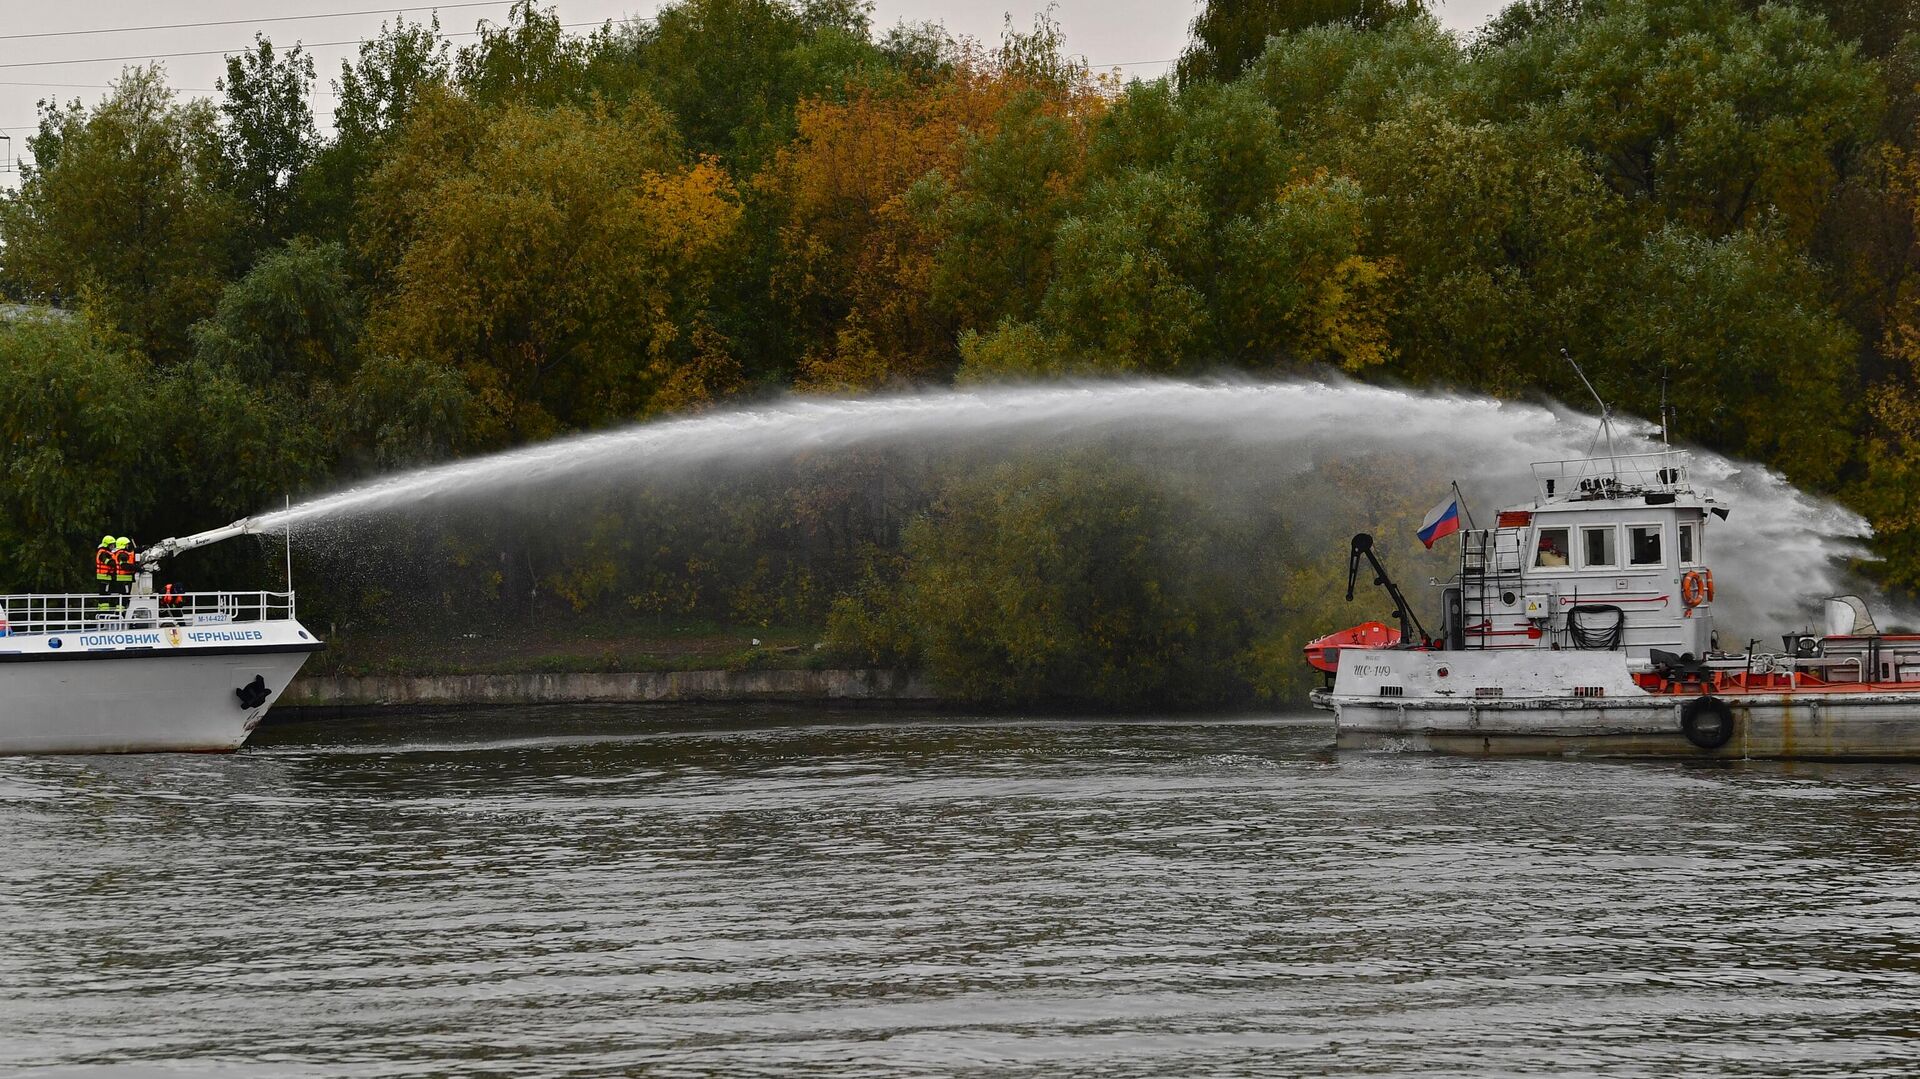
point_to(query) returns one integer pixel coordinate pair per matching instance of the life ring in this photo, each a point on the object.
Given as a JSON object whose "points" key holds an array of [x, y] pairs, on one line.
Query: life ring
{"points": [[1697, 587], [1707, 722]]}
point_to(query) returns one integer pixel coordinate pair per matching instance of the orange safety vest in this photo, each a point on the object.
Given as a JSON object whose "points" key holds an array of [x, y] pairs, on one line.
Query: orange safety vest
{"points": [[123, 560], [170, 598], [103, 564]]}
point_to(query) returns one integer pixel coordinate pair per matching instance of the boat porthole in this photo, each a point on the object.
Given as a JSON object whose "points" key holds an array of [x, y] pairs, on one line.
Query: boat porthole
{"points": [[303, 634], [53, 642], [1508, 598], [1442, 672]]}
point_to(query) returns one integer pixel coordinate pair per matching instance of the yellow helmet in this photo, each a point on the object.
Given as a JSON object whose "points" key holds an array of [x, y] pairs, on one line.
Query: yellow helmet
{"points": [[122, 542], [106, 541]]}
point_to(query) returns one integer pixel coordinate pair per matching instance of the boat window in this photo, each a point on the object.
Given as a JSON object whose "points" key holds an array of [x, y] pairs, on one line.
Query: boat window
{"points": [[1643, 545], [1597, 547], [1553, 547], [1686, 545]]}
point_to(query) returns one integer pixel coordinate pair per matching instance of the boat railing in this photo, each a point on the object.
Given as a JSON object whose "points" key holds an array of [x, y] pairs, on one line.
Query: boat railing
{"points": [[1492, 552], [82, 612], [1660, 472]]}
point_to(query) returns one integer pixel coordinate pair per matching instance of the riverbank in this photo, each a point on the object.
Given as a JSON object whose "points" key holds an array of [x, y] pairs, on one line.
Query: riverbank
{"points": [[332, 692], [559, 645]]}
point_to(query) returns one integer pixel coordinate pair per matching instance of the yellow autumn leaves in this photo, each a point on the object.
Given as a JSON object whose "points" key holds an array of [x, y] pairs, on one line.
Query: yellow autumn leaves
{"points": [[558, 257]]}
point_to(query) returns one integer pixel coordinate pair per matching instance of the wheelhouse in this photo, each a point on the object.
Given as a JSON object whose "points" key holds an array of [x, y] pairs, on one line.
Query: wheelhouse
{"points": [[1611, 554]]}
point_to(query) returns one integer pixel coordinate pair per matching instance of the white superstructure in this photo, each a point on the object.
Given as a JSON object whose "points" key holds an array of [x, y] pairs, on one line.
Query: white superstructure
{"points": [[1582, 622]]}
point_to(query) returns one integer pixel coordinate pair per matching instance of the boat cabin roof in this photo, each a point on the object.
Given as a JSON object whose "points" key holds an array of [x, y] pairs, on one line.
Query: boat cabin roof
{"points": [[1661, 478]]}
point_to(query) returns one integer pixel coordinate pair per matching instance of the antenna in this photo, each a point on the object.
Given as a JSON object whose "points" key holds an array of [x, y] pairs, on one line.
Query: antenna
{"points": [[1664, 440], [1606, 414], [289, 502]]}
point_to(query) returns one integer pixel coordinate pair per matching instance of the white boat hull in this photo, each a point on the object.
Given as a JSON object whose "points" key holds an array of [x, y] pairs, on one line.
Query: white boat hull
{"points": [[1779, 726], [1586, 703], [144, 690]]}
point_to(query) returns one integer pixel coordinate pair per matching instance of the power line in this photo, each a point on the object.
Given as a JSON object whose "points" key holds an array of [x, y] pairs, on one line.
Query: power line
{"points": [[109, 86], [248, 22], [229, 52]]}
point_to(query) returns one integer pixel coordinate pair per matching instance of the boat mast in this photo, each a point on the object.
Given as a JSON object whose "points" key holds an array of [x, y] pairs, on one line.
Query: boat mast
{"points": [[1664, 440], [1606, 414]]}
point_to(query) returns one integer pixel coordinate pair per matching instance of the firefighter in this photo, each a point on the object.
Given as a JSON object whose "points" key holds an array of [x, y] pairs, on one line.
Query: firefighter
{"points": [[103, 569], [124, 559], [103, 564]]}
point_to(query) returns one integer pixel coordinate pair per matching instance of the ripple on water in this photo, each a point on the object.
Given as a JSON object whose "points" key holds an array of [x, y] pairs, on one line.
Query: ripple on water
{"points": [[687, 891]]}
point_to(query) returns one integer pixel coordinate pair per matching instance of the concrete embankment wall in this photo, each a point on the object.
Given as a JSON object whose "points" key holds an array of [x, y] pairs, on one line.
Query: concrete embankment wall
{"points": [[381, 691]]}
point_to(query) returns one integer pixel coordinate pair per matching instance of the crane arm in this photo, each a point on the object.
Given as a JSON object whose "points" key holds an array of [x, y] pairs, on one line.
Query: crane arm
{"points": [[1402, 610], [167, 548]]}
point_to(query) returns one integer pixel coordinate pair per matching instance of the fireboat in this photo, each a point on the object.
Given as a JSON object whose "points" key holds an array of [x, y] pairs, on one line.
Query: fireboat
{"points": [[1582, 623], [146, 672]]}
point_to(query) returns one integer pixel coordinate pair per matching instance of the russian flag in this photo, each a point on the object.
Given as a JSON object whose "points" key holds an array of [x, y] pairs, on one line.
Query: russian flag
{"points": [[1442, 521]]}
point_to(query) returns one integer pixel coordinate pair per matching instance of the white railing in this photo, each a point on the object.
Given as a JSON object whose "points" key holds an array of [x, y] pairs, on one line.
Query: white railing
{"points": [[1664, 471], [77, 612], [1491, 552]]}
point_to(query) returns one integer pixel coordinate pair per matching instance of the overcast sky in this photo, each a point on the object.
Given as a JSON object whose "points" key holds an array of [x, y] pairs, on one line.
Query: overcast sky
{"points": [[1140, 36]]}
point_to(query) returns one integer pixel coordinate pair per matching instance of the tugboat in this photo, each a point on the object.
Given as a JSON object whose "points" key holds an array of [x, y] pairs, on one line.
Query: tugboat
{"points": [[146, 672], [1582, 623]]}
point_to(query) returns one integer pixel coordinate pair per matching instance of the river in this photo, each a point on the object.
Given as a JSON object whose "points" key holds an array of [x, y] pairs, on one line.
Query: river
{"points": [[730, 892]]}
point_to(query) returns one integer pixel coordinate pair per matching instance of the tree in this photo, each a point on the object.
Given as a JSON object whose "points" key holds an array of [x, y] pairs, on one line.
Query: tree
{"points": [[269, 135], [378, 92], [1705, 114], [1080, 580], [1018, 179], [915, 207], [77, 458], [527, 60], [560, 259], [1228, 35], [293, 319], [1129, 274], [1328, 84], [731, 71], [1714, 313], [380, 89], [1508, 246], [122, 210]]}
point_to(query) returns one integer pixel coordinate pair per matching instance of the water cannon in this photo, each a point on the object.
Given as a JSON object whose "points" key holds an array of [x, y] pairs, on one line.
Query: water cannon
{"points": [[152, 557]]}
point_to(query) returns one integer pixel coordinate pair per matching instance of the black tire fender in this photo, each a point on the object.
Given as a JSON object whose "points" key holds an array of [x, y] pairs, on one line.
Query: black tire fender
{"points": [[1707, 722]]}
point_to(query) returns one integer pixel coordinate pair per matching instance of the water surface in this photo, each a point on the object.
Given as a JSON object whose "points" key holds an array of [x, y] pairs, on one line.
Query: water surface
{"points": [[685, 891]]}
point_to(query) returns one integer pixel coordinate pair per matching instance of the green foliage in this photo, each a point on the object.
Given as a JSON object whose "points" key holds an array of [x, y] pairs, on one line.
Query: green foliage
{"points": [[99, 441], [1714, 114], [292, 319], [557, 258], [1714, 314], [268, 132], [1197, 245], [1332, 83], [1070, 581], [527, 60], [122, 211], [378, 92], [1013, 189], [730, 71], [1228, 35], [75, 427], [543, 232]]}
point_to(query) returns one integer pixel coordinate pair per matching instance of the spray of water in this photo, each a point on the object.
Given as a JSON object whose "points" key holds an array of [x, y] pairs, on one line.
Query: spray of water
{"points": [[1781, 551]]}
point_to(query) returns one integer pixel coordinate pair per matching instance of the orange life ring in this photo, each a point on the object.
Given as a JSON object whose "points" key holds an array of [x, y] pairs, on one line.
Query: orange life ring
{"points": [[1697, 587]]}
